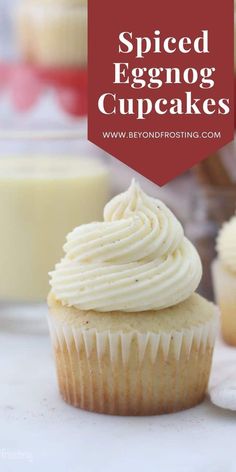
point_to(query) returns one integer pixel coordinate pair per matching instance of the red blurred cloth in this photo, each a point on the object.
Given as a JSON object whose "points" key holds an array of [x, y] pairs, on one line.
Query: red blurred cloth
{"points": [[27, 84]]}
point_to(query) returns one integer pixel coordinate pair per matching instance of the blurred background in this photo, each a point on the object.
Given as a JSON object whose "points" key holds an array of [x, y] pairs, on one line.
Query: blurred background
{"points": [[43, 107], [43, 54]]}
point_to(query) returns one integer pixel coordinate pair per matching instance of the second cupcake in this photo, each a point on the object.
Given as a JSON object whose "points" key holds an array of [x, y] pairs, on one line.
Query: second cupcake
{"points": [[224, 278]]}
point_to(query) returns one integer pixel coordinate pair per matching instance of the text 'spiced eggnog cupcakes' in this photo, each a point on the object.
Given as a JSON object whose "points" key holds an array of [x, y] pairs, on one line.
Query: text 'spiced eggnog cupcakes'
{"points": [[53, 33], [129, 334], [224, 278]]}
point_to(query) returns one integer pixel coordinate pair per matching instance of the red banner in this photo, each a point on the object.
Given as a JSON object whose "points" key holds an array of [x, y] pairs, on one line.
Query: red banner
{"points": [[160, 82]]}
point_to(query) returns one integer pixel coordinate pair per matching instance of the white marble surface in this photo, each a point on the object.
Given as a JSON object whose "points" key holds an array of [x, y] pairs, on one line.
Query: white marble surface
{"points": [[38, 432]]}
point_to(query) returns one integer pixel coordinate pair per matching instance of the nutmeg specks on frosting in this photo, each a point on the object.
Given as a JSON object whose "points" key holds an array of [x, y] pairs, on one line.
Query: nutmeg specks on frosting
{"points": [[226, 245], [137, 259]]}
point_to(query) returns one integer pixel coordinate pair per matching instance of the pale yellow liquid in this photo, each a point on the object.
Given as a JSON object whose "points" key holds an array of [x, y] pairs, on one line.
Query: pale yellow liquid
{"points": [[41, 200]]}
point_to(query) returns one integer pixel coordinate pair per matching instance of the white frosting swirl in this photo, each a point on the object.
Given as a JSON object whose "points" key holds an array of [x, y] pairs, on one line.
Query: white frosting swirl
{"points": [[226, 245], [136, 260]]}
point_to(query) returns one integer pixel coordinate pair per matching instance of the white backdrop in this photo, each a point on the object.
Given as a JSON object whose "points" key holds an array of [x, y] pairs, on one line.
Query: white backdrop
{"points": [[7, 44]]}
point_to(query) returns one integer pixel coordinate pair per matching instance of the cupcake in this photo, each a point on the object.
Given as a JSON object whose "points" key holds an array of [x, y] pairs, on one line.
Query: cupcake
{"points": [[129, 333], [224, 279], [53, 33]]}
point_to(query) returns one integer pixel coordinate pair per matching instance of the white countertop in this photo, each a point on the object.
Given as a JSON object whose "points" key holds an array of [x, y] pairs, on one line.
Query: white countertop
{"points": [[39, 432]]}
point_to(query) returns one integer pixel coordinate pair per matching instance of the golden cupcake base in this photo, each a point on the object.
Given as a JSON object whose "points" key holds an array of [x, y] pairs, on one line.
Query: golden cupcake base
{"points": [[145, 388], [122, 372]]}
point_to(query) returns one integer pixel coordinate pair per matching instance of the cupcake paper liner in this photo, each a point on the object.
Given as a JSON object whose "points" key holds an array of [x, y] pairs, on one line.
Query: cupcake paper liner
{"points": [[132, 373], [53, 36], [225, 293]]}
